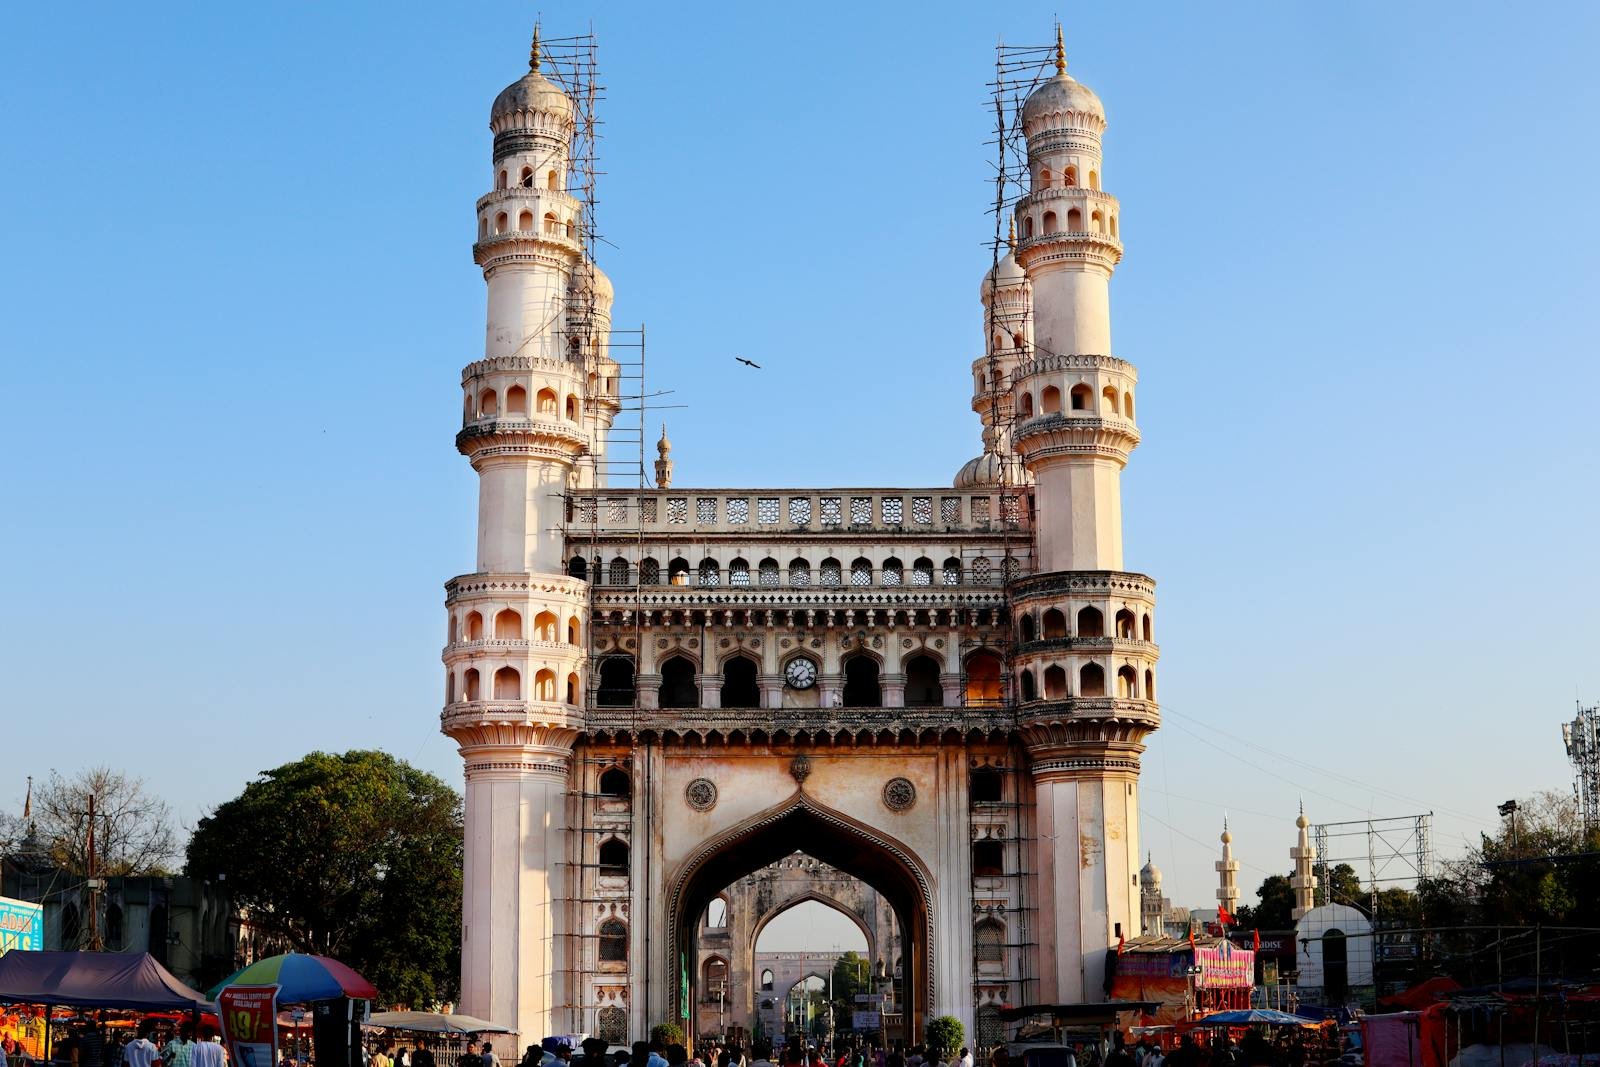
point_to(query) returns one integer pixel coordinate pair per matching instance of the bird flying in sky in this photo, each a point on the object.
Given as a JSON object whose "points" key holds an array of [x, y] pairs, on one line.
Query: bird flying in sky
{"points": [[748, 363]]}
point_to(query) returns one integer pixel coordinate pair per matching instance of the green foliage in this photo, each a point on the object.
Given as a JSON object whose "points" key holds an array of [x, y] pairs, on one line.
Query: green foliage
{"points": [[1342, 885], [1276, 907], [944, 1035], [356, 856], [667, 1033]]}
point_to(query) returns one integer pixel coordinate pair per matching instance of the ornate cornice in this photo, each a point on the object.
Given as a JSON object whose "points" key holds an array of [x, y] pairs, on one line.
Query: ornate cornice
{"points": [[1053, 435], [1145, 650], [543, 729], [521, 436], [495, 364], [555, 250], [850, 726], [1097, 251], [1044, 364], [1082, 583], [497, 586]]}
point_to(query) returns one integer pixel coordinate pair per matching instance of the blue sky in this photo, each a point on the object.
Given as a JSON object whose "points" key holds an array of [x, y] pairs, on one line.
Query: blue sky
{"points": [[236, 291]]}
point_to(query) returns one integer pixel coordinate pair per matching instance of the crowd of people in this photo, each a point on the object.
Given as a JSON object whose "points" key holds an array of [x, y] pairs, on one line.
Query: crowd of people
{"points": [[88, 1044]]}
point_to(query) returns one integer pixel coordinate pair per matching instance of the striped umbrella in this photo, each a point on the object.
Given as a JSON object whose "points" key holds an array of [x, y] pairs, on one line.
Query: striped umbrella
{"points": [[301, 978]]}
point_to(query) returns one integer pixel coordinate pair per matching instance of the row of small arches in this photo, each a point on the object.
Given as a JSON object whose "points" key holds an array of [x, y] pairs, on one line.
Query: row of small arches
{"points": [[506, 684], [515, 402], [552, 226], [507, 626], [768, 574], [1091, 622], [1068, 178], [1049, 222], [1091, 683], [1079, 398], [527, 179]]}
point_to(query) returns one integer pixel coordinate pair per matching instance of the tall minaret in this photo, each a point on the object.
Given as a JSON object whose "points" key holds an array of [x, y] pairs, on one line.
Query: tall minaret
{"points": [[1007, 299], [1087, 682], [1228, 874], [515, 663], [1304, 879]]}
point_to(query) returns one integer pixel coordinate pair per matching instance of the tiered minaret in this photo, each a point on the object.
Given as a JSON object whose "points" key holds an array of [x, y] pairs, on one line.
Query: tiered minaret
{"points": [[1007, 299], [1228, 874], [1086, 659], [1304, 879], [515, 660], [1152, 908]]}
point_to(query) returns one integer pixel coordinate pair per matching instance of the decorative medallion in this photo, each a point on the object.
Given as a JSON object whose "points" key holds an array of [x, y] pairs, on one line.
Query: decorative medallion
{"points": [[800, 769], [899, 794], [905, 642], [725, 642], [661, 642], [701, 794], [785, 643]]}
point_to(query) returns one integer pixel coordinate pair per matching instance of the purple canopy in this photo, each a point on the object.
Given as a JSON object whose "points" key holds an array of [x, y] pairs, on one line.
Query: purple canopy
{"points": [[94, 980]]}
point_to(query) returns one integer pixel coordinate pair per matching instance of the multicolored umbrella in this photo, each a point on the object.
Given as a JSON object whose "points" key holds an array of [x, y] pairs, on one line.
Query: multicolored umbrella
{"points": [[301, 978]]}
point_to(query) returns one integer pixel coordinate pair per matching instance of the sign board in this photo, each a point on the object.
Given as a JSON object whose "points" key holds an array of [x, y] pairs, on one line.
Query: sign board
{"points": [[21, 925], [869, 998], [866, 1020], [249, 1017]]}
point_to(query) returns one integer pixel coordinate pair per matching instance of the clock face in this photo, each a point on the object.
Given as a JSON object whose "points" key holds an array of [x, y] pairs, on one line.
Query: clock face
{"points": [[801, 673]]}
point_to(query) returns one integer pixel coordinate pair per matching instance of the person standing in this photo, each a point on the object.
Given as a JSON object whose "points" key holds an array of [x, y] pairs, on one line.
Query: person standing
{"points": [[140, 1052], [207, 1052], [487, 1056]]}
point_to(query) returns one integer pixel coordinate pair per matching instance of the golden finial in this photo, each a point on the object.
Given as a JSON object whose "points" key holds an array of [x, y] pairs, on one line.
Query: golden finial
{"points": [[1011, 234], [1061, 52], [533, 53]]}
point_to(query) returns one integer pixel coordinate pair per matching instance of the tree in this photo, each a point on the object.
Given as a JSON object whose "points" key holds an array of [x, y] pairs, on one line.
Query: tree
{"points": [[1343, 886], [944, 1036], [133, 831], [667, 1033], [1276, 907], [356, 856], [852, 974]]}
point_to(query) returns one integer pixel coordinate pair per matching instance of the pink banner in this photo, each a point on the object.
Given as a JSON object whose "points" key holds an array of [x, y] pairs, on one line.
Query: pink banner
{"points": [[1225, 966]]}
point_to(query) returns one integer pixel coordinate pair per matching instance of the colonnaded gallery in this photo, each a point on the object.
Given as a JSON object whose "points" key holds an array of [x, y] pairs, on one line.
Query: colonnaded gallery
{"points": [[685, 710]]}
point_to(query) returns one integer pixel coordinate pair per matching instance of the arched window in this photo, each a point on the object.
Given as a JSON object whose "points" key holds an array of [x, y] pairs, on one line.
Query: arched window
{"points": [[922, 571], [471, 687], [1127, 682], [1127, 405], [1091, 680], [738, 572], [678, 571], [983, 680], [613, 857], [551, 223], [619, 571], [611, 1022], [766, 981], [924, 688], [1097, 222], [1144, 626], [544, 626], [474, 626], [616, 682], [984, 785], [1082, 397], [574, 695], [508, 625], [678, 686], [1149, 684], [982, 571], [710, 573], [1114, 226], [500, 180], [483, 227], [1026, 631], [615, 782], [861, 688], [1044, 178], [990, 1030], [488, 405], [1049, 220], [525, 222], [1025, 406], [861, 572], [714, 980], [544, 684], [1091, 623], [988, 944], [1124, 623], [114, 930], [507, 684], [552, 182], [527, 178], [1109, 396], [1027, 227], [1055, 624], [649, 571], [614, 949], [717, 914], [1050, 400], [830, 575], [455, 630], [1335, 964], [1074, 220], [893, 572], [573, 629], [799, 572], [545, 402], [767, 573], [572, 408], [1094, 180], [450, 688], [1071, 175], [739, 688], [502, 222], [578, 567], [1055, 683], [988, 859], [951, 572], [516, 400]]}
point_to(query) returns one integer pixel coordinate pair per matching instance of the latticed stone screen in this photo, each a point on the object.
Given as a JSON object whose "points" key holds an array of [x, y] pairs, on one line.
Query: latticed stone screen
{"points": [[738, 510], [922, 510], [799, 510], [950, 509], [831, 515], [982, 571], [767, 510], [893, 513], [705, 509], [980, 510], [647, 509], [678, 510]]}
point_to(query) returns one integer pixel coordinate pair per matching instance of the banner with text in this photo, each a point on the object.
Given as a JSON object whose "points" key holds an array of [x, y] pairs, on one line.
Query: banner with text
{"points": [[249, 1015], [21, 925]]}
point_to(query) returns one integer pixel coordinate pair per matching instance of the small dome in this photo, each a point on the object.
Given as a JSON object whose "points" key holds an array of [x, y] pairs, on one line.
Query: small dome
{"points": [[1227, 838], [589, 273], [531, 92], [1062, 93], [1007, 274], [989, 469], [1150, 874]]}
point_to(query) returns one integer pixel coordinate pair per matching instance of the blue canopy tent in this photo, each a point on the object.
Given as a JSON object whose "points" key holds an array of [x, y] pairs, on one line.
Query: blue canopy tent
{"points": [[1255, 1017], [94, 980]]}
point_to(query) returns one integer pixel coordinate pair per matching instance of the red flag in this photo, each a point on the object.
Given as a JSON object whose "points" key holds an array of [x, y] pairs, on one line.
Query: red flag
{"points": [[1120, 941], [1223, 917], [1191, 939], [1255, 940]]}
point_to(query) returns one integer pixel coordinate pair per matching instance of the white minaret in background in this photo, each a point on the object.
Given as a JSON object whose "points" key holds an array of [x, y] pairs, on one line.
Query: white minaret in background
{"points": [[1304, 879], [536, 407], [1228, 874], [1087, 679], [1007, 298]]}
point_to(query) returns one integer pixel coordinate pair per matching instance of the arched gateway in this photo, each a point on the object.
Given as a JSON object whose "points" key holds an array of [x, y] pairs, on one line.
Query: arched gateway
{"points": [[942, 691]]}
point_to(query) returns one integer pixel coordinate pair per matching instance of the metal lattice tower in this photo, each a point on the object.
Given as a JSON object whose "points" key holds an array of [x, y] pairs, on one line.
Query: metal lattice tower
{"points": [[1394, 850], [1582, 739]]}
